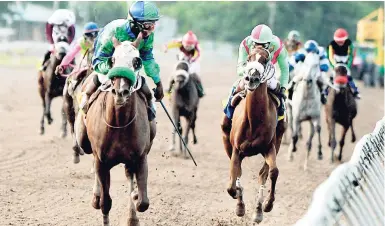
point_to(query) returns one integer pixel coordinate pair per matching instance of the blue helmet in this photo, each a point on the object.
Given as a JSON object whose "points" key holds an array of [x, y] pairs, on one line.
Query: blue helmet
{"points": [[311, 46], [143, 11], [90, 27]]}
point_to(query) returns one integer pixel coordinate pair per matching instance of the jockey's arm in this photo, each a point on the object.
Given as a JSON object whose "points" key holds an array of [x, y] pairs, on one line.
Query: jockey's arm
{"points": [[242, 60], [282, 60], [173, 44], [150, 66], [197, 53], [71, 55], [330, 54], [101, 59], [350, 54], [324, 63]]}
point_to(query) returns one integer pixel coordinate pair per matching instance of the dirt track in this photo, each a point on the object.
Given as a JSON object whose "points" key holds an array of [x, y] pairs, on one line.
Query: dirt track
{"points": [[39, 184]]}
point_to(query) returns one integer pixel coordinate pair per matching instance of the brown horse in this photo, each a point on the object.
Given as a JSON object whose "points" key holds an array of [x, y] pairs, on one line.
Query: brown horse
{"points": [[117, 130], [51, 85], [254, 131], [184, 102], [341, 108]]}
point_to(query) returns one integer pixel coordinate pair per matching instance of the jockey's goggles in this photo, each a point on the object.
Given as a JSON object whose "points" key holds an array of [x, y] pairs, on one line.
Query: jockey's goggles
{"points": [[189, 47], [264, 45], [148, 25], [91, 34]]}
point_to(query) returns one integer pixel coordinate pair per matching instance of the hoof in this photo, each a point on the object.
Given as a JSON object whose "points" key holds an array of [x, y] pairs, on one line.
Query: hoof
{"points": [[268, 205], [232, 192], [50, 121], [96, 202], [258, 215], [142, 206], [63, 135], [76, 159], [320, 157], [133, 222], [353, 139], [41, 131], [240, 210], [195, 141], [78, 150]]}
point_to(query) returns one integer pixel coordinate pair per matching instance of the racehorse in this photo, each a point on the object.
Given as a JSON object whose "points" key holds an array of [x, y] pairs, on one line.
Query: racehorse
{"points": [[255, 130], [116, 130], [184, 102], [306, 104], [51, 85], [341, 108]]}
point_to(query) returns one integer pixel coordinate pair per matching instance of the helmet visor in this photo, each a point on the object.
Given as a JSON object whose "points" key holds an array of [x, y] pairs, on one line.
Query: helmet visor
{"points": [[263, 45]]}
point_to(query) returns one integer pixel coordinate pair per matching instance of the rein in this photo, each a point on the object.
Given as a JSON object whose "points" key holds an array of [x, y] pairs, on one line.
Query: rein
{"points": [[104, 116]]}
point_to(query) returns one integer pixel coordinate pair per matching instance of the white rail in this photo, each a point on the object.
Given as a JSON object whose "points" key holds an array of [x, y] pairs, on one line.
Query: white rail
{"points": [[354, 192]]}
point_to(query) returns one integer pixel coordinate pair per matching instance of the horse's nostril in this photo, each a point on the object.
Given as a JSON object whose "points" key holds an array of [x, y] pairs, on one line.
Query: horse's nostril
{"points": [[247, 78], [125, 93], [113, 91]]}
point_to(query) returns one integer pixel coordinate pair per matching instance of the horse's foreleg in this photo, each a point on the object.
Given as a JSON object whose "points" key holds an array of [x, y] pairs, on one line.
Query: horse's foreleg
{"points": [[263, 173], [64, 124], [186, 133], [294, 140], [103, 172], [332, 137], [96, 188], [273, 174], [193, 120], [48, 101], [141, 200], [132, 218], [353, 133], [42, 95], [342, 141], [235, 173], [309, 143], [226, 129], [176, 119]]}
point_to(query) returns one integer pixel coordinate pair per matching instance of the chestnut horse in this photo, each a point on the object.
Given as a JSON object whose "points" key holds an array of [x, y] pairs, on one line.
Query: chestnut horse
{"points": [[117, 130], [341, 108], [255, 130], [51, 85]]}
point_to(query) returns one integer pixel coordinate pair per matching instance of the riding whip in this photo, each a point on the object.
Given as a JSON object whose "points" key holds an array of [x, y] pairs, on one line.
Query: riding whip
{"points": [[176, 129]]}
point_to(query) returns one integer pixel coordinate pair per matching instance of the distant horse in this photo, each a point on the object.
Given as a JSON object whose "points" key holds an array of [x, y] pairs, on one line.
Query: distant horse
{"points": [[184, 101], [306, 104], [255, 130], [341, 108], [116, 130], [51, 85]]}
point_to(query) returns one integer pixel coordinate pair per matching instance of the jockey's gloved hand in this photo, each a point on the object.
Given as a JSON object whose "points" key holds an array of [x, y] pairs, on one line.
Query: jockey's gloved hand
{"points": [[283, 92], [158, 93], [59, 70]]}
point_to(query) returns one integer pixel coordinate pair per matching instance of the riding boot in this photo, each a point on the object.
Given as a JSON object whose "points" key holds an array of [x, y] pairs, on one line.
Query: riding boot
{"points": [[280, 93], [356, 94], [47, 55], [291, 90], [323, 98], [238, 94], [151, 111], [198, 84], [90, 89]]}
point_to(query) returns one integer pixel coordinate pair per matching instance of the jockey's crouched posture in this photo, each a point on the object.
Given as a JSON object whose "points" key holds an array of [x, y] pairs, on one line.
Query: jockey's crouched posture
{"points": [[261, 36], [341, 51], [310, 46], [189, 47], [140, 24]]}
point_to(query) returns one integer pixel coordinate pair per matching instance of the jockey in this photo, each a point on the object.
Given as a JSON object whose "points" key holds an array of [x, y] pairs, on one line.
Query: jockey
{"points": [[140, 23], [189, 47], [292, 44], [61, 23], [310, 46], [341, 50], [83, 45], [261, 36]]}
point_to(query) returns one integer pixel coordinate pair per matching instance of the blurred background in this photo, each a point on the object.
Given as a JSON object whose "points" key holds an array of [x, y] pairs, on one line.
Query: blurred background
{"points": [[220, 26]]}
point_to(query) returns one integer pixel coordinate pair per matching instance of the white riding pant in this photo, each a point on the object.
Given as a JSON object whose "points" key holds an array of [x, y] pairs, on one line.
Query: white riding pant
{"points": [[195, 67]]}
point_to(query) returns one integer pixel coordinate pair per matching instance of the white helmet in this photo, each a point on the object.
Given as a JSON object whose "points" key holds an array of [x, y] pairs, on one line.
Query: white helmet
{"points": [[293, 35]]}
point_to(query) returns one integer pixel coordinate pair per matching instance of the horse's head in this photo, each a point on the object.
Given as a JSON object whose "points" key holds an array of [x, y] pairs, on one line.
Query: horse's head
{"points": [[311, 68], [341, 77], [181, 75], [61, 47], [257, 69], [124, 72]]}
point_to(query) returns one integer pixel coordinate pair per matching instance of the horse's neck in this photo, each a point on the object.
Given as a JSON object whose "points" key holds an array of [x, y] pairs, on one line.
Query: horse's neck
{"points": [[120, 115], [256, 104]]}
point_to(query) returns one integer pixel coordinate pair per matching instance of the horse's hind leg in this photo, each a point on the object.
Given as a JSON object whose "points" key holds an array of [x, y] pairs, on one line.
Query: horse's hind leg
{"points": [[235, 189], [64, 124], [294, 140], [96, 188], [342, 141], [141, 200], [332, 137], [273, 174], [48, 101], [103, 172], [309, 143], [353, 133], [317, 125], [263, 173], [132, 218], [193, 120]]}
